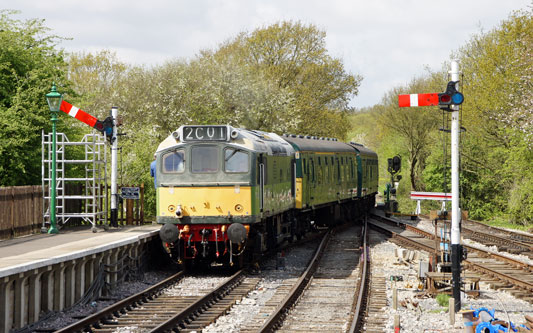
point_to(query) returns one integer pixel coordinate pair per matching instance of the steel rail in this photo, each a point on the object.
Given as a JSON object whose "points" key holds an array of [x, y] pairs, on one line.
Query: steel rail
{"points": [[476, 234], [115, 309], [515, 236], [499, 275], [362, 285], [193, 310], [496, 256], [477, 267], [281, 311]]}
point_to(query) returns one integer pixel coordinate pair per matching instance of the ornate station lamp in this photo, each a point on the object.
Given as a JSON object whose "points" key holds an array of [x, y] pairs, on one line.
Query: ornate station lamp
{"points": [[54, 100]]}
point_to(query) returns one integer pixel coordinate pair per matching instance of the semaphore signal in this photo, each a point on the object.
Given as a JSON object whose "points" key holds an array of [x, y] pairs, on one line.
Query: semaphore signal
{"points": [[450, 97], [448, 101], [105, 126], [418, 100]]}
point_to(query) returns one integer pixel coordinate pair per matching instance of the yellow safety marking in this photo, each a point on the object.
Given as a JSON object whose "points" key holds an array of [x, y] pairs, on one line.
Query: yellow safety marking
{"points": [[206, 201], [298, 196]]}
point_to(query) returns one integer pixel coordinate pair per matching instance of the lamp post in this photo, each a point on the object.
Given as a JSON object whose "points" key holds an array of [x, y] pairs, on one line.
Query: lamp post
{"points": [[54, 103]]}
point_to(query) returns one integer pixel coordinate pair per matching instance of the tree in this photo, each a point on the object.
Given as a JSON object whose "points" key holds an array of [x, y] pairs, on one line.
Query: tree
{"points": [[518, 113], [416, 126], [497, 113], [294, 57], [97, 80], [29, 63]]}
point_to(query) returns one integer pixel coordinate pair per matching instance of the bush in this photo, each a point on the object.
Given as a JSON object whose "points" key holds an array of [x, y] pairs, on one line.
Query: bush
{"points": [[443, 300]]}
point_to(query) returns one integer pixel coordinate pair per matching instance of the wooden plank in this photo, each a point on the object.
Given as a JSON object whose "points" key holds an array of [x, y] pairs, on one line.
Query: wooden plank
{"points": [[6, 212]]}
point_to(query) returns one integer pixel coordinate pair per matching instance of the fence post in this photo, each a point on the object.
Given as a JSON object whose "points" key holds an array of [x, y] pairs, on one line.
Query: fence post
{"points": [[129, 211], [121, 204], [142, 203], [12, 213]]}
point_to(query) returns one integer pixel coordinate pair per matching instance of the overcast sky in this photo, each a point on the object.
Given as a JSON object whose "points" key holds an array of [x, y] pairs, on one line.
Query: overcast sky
{"points": [[388, 42]]}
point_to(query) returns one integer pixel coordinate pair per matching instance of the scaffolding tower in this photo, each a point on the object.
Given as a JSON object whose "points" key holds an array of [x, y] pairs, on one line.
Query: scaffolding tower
{"points": [[94, 197]]}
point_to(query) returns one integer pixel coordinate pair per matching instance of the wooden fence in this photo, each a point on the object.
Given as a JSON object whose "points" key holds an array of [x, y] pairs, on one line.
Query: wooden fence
{"points": [[21, 209]]}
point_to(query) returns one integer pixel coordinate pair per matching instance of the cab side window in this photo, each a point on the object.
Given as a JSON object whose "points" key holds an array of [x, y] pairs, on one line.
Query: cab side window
{"points": [[236, 161], [173, 162]]}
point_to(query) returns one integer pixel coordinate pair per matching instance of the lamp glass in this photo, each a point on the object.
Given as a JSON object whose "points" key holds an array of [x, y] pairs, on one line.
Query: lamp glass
{"points": [[54, 99]]}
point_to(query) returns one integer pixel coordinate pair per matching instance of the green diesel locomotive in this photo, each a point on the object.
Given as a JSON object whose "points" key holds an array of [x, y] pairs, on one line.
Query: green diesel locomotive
{"points": [[223, 192]]}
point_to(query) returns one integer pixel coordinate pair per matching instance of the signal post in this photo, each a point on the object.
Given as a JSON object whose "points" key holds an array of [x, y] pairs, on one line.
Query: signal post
{"points": [[448, 101], [456, 213]]}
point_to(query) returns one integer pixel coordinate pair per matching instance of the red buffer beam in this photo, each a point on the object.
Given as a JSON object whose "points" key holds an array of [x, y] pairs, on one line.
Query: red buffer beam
{"points": [[79, 114], [418, 100]]}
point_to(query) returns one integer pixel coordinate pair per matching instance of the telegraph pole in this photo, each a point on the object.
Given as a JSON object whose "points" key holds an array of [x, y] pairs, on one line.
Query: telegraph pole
{"points": [[456, 212]]}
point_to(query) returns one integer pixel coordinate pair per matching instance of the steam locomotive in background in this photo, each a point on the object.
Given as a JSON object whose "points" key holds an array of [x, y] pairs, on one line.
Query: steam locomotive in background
{"points": [[224, 192]]}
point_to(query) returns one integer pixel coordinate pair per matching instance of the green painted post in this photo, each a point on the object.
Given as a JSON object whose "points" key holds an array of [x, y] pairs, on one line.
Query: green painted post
{"points": [[54, 103]]}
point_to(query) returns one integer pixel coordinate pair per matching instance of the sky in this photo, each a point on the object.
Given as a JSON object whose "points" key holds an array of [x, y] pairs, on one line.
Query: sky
{"points": [[387, 42]]}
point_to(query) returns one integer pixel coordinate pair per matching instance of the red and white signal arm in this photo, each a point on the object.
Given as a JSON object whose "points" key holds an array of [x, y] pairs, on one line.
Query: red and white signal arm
{"points": [[439, 196], [77, 113], [418, 100]]}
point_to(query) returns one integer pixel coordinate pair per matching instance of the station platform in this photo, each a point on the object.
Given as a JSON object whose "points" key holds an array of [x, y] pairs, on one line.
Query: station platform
{"points": [[43, 272], [35, 251]]}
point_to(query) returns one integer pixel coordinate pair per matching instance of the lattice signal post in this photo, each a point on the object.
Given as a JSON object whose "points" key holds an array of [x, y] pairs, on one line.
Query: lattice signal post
{"points": [[449, 101]]}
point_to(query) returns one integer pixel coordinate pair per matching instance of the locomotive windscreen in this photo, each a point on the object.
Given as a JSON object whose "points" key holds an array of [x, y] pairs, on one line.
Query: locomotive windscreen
{"points": [[204, 159]]}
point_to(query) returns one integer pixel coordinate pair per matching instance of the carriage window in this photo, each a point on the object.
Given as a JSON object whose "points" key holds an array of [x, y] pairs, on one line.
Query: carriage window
{"points": [[173, 162], [204, 159], [236, 161]]}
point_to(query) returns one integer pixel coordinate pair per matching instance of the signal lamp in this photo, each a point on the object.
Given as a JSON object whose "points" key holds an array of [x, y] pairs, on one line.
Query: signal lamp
{"points": [[457, 98], [451, 96], [445, 99]]}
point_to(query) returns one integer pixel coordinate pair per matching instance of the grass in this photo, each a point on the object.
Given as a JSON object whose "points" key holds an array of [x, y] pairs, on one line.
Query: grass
{"points": [[503, 222], [443, 299]]}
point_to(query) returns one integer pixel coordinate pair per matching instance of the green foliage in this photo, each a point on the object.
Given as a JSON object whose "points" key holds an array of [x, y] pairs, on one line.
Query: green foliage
{"points": [[29, 64], [496, 154], [443, 299], [279, 78], [293, 56], [414, 126]]}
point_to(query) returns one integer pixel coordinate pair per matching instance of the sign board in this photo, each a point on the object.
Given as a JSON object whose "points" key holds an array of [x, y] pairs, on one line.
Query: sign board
{"points": [[439, 196], [130, 193]]}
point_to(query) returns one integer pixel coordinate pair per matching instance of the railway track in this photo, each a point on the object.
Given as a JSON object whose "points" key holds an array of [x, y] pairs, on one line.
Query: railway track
{"points": [[376, 318], [160, 308], [322, 298], [501, 272], [504, 240]]}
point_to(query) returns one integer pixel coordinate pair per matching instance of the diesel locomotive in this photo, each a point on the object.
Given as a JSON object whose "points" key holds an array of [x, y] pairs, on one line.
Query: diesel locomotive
{"points": [[224, 193]]}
